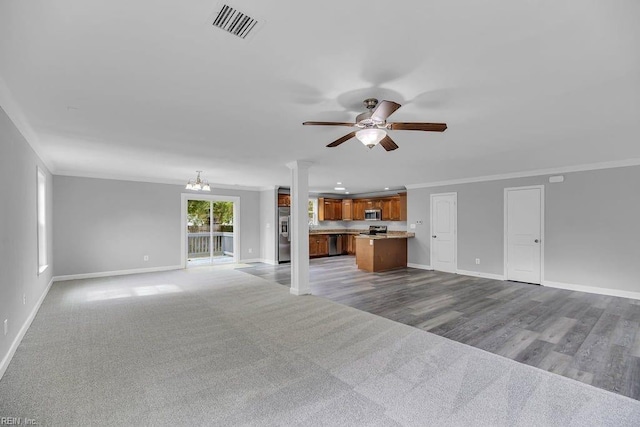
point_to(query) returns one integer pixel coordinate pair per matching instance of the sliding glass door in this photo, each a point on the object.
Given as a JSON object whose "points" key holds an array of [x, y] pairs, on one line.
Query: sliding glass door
{"points": [[210, 232]]}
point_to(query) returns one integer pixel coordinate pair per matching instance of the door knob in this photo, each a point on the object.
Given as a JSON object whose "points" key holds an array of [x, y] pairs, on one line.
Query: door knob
{"points": [[537, 241], [434, 236]]}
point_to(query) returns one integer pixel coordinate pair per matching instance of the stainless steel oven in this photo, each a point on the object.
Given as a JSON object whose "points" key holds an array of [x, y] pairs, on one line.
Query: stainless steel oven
{"points": [[372, 214]]}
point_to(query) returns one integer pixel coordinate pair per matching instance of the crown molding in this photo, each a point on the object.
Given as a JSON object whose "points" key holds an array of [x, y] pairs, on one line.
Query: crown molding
{"points": [[530, 173], [16, 115], [149, 180]]}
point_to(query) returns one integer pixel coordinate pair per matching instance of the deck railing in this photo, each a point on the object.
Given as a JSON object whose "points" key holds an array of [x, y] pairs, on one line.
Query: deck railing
{"points": [[202, 244]]}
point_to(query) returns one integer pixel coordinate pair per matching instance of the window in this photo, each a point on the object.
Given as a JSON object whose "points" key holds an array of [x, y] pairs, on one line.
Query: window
{"points": [[313, 211], [42, 221]]}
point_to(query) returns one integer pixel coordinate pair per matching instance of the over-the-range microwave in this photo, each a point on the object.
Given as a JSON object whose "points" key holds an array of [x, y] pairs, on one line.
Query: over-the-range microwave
{"points": [[373, 215]]}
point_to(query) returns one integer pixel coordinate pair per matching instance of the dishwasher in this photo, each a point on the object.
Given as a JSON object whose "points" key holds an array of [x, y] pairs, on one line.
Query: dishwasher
{"points": [[333, 244]]}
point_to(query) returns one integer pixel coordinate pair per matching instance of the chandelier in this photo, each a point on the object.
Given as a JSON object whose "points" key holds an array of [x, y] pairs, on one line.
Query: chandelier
{"points": [[198, 184]]}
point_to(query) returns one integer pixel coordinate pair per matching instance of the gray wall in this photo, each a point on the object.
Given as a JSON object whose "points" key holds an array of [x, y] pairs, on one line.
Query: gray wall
{"points": [[109, 225], [592, 231], [18, 231], [268, 225]]}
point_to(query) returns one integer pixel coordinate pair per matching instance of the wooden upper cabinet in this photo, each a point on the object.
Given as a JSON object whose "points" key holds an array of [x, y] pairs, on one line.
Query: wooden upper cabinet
{"points": [[403, 206], [322, 209], [337, 210], [358, 207], [394, 208], [347, 212], [284, 200], [387, 210], [329, 209]]}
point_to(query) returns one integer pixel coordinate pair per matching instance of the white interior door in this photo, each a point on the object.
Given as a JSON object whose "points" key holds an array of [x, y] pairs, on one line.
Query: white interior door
{"points": [[524, 234], [443, 232]]}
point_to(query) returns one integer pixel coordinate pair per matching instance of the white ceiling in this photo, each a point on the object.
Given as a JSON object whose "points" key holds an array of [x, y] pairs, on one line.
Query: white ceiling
{"points": [[149, 90]]}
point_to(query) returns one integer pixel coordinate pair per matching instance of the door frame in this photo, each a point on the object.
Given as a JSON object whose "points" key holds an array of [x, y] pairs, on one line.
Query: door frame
{"points": [[506, 227], [211, 198], [455, 229]]}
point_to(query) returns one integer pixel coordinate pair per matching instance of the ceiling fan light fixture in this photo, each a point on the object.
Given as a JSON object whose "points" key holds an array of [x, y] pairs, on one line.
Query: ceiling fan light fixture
{"points": [[370, 137]]}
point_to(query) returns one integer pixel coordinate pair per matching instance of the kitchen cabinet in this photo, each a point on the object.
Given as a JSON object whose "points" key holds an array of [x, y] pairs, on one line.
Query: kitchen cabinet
{"points": [[351, 243], [347, 212], [337, 210], [284, 200], [381, 254], [402, 206], [358, 207], [318, 245], [393, 208], [386, 209], [329, 209]]}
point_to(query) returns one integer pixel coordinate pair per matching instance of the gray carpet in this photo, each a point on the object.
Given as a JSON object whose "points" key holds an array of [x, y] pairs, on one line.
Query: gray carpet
{"points": [[220, 347]]}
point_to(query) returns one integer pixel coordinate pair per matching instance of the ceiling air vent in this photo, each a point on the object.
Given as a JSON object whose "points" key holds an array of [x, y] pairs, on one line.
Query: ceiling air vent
{"points": [[234, 21]]}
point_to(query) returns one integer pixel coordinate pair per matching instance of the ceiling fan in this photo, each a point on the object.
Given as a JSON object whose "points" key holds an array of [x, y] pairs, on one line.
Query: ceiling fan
{"points": [[373, 125]]}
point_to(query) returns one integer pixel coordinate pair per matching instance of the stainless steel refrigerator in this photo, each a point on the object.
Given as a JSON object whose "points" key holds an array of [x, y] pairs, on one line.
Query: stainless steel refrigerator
{"points": [[284, 238]]}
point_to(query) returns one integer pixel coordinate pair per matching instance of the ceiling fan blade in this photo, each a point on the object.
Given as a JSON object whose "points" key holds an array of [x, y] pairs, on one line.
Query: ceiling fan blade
{"points": [[429, 127], [328, 124], [341, 140], [388, 144], [384, 110]]}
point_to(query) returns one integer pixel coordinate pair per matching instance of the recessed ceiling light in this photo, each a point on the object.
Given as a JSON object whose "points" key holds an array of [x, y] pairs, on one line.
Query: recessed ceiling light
{"points": [[338, 183], [339, 188], [346, 192], [386, 188]]}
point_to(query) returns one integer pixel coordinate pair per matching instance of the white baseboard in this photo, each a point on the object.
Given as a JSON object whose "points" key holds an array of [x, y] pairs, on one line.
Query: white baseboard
{"points": [[420, 266], [482, 275], [298, 292], [23, 330], [116, 273], [250, 260], [592, 289]]}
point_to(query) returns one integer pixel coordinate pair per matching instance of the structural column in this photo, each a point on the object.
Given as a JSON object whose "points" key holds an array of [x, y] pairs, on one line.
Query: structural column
{"points": [[299, 227]]}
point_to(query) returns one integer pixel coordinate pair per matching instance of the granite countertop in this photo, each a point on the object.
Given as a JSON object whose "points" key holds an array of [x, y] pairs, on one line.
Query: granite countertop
{"points": [[396, 235], [336, 231], [390, 234]]}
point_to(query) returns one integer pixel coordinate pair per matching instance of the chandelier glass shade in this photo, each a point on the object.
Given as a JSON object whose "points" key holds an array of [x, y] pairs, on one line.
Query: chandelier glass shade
{"points": [[198, 184]]}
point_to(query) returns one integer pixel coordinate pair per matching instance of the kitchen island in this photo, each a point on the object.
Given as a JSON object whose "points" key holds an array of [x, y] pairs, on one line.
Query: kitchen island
{"points": [[382, 252]]}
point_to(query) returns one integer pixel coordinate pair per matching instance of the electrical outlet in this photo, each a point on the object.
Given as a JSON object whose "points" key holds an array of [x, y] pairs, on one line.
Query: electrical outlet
{"points": [[419, 222], [250, 250], [24, 299], [6, 326], [477, 260], [146, 257]]}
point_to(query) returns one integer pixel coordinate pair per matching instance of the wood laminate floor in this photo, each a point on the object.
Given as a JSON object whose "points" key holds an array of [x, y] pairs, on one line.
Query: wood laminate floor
{"points": [[591, 338]]}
